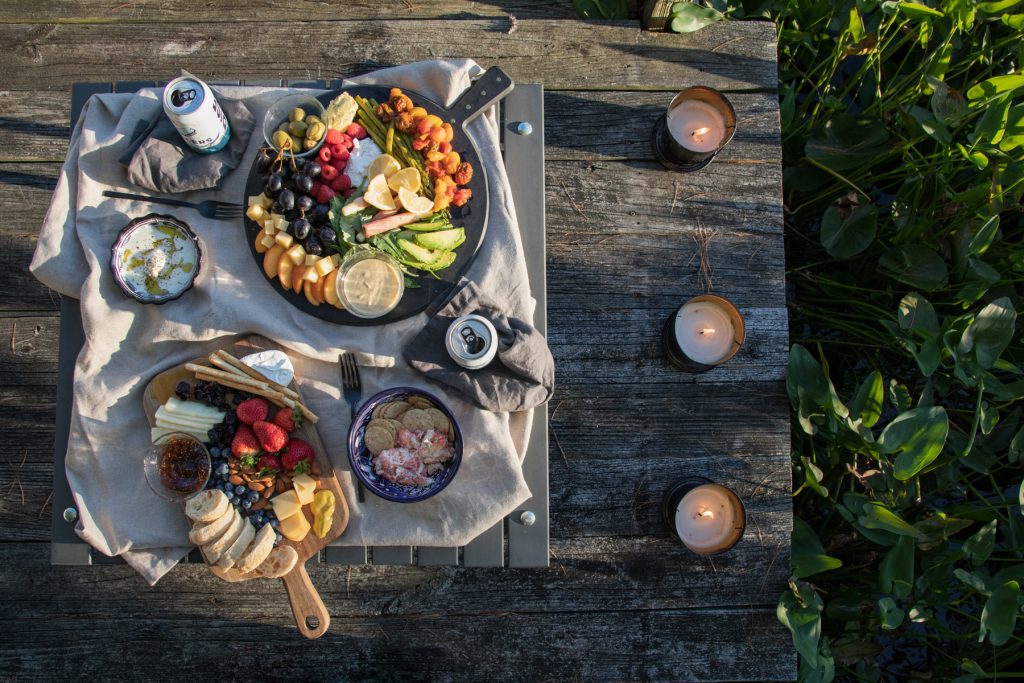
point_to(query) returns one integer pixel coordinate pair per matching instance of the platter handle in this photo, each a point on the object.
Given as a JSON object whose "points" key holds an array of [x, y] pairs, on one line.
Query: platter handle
{"points": [[311, 616], [490, 87]]}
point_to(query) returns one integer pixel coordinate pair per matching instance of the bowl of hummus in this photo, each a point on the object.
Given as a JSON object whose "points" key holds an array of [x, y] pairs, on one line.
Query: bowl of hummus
{"points": [[155, 259]]}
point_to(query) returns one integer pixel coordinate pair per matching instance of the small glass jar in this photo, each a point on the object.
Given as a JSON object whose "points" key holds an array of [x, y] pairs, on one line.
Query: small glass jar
{"points": [[178, 466], [369, 283]]}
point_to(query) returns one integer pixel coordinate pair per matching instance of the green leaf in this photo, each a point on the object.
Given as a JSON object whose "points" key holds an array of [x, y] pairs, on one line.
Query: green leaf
{"points": [[808, 555], [920, 614], [892, 616], [813, 476], [998, 7], [867, 404], [847, 141], [991, 332], [918, 435], [1014, 21], [992, 124], [688, 17], [799, 610], [999, 616], [916, 10], [976, 580], [874, 515], [915, 265], [899, 397], [846, 236], [979, 546], [1020, 489], [989, 417], [896, 571], [997, 85], [931, 125], [1016, 446], [917, 314]]}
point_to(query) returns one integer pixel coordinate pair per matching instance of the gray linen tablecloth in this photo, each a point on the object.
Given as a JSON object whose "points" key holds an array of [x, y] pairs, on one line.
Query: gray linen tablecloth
{"points": [[127, 343]]}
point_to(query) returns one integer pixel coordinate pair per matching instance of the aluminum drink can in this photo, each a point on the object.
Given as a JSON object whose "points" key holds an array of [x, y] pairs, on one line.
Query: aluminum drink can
{"points": [[192, 108], [471, 341]]}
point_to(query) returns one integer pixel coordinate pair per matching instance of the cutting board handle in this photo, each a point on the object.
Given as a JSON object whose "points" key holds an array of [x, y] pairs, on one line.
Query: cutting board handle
{"points": [[307, 606]]}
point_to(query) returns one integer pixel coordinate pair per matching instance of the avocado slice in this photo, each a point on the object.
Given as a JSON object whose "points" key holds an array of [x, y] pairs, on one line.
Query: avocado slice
{"points": [[444, 259], [442, 239], [418, 253]]}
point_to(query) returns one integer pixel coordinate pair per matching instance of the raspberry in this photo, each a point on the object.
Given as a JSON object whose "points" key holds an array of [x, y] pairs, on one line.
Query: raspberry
{"points": [[343, 155], [325, 195], [345, 182], [356, 130], [328, 173], [333, 136], [336, 149], [346, 141], [339, 163], [316, 188], [324, 154], [348, 193]]}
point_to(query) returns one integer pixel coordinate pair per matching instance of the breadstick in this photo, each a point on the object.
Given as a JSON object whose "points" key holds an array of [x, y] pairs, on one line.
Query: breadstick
{"points": [[224, 365], [255, 374], [213, 372]]}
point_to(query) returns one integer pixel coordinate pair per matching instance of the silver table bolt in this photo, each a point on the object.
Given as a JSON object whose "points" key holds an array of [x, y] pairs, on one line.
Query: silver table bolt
{"points": [[70, 515], [527, 518], [524, 128]]}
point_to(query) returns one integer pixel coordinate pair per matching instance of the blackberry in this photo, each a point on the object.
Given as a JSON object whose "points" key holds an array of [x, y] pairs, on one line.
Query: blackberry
{"points": [[182, 390], [230, 418]]}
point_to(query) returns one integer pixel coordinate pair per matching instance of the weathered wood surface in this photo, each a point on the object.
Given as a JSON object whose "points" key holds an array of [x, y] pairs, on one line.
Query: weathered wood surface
{"points": [[622, 600]]}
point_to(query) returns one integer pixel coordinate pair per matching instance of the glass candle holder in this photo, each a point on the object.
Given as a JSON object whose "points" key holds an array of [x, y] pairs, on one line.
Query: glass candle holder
{"points": [[704, 332], [707, 517], [699, 122]]}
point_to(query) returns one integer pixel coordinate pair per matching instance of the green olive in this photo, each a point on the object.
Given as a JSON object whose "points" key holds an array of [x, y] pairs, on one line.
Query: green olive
{"points": [[282, 140], [310, 143], [298, 128], [315, 131], [296, 143], [297, 114], [312, 118], [283, 127]]}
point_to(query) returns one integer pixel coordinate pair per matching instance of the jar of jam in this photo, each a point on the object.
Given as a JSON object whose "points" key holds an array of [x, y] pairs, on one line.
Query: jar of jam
{"points": [[178, 466]]}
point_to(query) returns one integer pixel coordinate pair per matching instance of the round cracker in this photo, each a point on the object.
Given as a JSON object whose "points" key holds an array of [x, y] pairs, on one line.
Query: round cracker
{"points": [[375, 413], [386, 424], [438, 419], [420, 402], [378, 438], [395, 424], [416, 418], [394, 409]]}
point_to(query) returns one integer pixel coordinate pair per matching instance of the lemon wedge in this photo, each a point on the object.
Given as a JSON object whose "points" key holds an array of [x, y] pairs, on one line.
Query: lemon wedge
{"points": [[413, 203], [386, 164], [378, 194], [409, 178]]}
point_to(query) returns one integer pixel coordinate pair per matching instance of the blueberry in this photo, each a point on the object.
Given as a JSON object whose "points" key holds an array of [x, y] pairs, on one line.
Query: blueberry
{"points": [[222, 468], [230, 494], [278, 537], [247, 504], [274, 523], [253, 496], [215, 452], [239, 490], [228, 486]]}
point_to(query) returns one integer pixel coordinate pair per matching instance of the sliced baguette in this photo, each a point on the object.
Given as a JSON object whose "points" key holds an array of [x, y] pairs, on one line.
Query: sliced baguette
{"points": [[281, 560], [257, 550], [213, 550], [231, 555], [202, 534], [207, 505]]}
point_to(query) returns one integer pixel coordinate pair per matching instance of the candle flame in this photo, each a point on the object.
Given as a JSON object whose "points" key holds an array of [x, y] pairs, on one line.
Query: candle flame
{"points": [[708, 330], [704, 130], [704, 512]]}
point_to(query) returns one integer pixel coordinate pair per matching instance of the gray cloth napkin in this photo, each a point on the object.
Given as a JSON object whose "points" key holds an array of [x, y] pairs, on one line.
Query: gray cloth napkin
{"points": [[521, 377], [127, 343], [158, 159]]}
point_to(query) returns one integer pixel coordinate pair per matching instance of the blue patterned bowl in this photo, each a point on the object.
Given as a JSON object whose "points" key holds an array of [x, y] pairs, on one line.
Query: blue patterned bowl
{"points": [[361, 459]]}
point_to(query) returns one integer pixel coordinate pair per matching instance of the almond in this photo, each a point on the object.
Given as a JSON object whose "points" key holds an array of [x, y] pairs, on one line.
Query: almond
{"points": [[235, 479], [267, 480], [256, 486], [260, 504], [279, 486], [267, 492]]}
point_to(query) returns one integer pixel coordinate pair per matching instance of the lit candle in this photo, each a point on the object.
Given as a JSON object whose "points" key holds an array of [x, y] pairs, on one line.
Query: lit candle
{"points": [[710, 519], [699, 122], [706, 331], [696, 125]]}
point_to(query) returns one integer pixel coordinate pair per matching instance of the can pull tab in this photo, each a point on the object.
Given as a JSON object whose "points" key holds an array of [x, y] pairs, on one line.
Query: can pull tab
{"points": [[180, 97], [474, 344]]}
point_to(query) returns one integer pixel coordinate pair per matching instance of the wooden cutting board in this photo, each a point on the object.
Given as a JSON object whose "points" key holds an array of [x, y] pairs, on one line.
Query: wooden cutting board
{"points": [[311, 616]]}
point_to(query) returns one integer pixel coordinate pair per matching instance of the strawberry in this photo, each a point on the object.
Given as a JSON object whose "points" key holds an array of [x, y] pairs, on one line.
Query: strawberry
{"points": [[272, 438], [244, 444], [252, 410], [296, 453], [269, 462], [288, 419]]}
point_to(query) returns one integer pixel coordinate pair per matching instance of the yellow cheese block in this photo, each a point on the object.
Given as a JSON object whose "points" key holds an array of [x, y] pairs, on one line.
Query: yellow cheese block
{"points": [[286, 505], [295, 527], [305, 488]]}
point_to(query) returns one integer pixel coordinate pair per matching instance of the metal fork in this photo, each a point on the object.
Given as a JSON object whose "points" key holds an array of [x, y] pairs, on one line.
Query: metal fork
{"points": [[221, 211], [353, 391]]}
